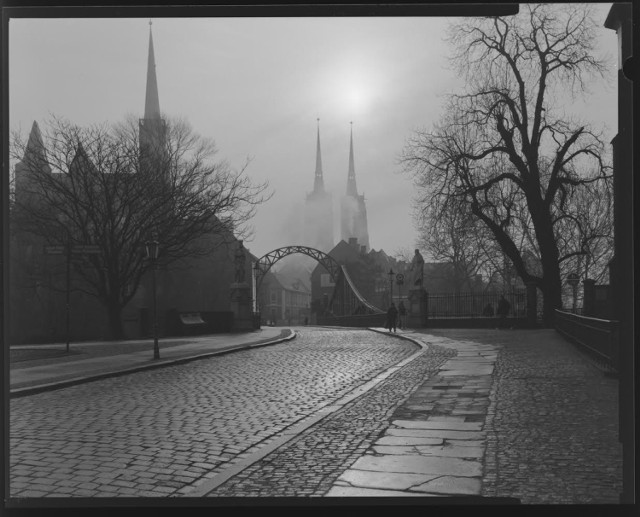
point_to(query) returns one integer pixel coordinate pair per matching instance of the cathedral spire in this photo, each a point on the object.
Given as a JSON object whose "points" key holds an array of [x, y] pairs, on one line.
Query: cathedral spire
{"points": [[152, 102], [318, 184], [351, 179], [35, 149]]}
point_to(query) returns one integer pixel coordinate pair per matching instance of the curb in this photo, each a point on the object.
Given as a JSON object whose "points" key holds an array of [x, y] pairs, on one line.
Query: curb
{"points": [[40, 388], [294, 429]]}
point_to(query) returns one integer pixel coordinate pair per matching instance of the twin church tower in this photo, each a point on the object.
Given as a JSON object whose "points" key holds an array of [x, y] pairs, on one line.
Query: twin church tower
{"points": [[318, 216]]}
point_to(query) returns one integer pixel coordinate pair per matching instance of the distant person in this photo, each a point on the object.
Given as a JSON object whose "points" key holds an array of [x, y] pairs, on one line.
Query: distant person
{"points": [[392, 315], [488, 310], [503, 311], [402, 314]]}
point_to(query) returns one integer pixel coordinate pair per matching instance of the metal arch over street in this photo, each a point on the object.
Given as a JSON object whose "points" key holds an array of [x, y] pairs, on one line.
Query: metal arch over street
{"points": [[265, 262]]}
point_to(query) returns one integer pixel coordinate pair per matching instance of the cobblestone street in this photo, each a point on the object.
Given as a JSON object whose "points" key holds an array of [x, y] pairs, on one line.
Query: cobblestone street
{"points": [[519, 415], [552, 427], [164, 432], [310, 463]]}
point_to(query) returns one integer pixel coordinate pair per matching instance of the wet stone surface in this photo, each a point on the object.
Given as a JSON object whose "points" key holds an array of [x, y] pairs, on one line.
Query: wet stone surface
{"points": [[552, 424], [165, 432], [310, 464]]}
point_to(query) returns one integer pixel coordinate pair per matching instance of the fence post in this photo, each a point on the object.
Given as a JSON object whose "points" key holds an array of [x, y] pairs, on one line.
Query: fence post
{"points": [[532, 304]]}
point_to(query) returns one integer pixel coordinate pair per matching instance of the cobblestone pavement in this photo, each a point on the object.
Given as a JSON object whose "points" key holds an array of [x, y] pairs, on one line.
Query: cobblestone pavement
{"points": [[552, 426], [309, 464], [435, 443], [165, 432]]}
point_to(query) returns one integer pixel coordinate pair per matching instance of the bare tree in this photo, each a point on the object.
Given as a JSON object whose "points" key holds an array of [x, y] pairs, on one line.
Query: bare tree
{"points": [[94, 186], [453, 235], [504, 148]]}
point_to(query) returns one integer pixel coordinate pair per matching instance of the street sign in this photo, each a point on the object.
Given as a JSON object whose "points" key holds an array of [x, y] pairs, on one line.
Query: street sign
{"points": [[399, 278], [54, 250], [87, 249]]}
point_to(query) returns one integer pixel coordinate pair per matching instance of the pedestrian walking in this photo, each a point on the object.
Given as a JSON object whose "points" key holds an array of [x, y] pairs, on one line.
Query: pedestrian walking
{"points": [[402, 314], [503, 311], [392, 315]]}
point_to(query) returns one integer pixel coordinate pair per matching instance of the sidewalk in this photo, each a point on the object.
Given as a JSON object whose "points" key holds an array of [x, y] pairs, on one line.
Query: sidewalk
{"points": [[98, 360], [513, 417]]}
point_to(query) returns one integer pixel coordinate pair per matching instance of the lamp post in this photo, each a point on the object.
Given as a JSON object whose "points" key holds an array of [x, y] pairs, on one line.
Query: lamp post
{"points": [[64, 221], [152, 248], [400, 282], [390, 273], [572, 280]]}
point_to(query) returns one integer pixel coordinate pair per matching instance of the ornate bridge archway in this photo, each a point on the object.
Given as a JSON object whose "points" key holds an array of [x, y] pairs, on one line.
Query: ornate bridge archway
{"points": [[346, 299], [265, 262]]}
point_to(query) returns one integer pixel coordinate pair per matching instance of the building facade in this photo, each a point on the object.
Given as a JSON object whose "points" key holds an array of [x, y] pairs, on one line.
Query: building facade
{"points": [[283, 300], [49, 299]]}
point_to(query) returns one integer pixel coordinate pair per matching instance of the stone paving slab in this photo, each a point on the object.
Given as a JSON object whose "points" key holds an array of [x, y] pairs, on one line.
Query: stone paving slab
{"points": [[347, 491], [418, 464], [450, 405], [451, 485], [408, 440], [428, 450], [453, 425], [384, 480]]}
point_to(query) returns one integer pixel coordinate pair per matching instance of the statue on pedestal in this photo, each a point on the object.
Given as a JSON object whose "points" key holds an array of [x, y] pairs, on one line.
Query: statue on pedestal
{"points": [[417, 270]]}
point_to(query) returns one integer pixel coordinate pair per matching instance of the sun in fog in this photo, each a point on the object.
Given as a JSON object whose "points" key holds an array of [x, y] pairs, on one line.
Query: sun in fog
{"points": [[351, 87]]}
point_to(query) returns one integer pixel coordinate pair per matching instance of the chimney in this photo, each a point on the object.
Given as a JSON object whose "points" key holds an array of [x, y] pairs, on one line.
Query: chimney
{"points": [[353, 241], [363, 249]]}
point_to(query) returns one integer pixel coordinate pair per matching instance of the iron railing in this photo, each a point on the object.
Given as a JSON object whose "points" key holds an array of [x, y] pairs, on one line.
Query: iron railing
{"points": [[475, 304], [596, 336]]}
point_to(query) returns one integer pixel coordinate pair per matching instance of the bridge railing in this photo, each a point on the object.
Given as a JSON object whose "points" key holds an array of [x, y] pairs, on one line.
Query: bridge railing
{"points": [[596, 336], [347, 300]]}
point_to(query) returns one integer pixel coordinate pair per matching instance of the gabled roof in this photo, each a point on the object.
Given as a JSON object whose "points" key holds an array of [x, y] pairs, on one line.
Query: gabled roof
{"points": [[35, 153]]}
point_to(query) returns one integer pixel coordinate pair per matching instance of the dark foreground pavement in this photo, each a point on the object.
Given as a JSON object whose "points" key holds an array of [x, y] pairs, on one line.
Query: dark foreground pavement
{"points": [[504, 415]]}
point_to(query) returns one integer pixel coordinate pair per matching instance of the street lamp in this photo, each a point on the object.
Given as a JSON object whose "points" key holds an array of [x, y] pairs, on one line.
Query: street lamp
{"points": [[400, 282], [64, 221], [152, 248], [390, 273]]}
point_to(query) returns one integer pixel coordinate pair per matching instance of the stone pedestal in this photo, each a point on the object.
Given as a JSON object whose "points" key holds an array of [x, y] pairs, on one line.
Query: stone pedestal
{"points": [[241, 306], [417, 310]]}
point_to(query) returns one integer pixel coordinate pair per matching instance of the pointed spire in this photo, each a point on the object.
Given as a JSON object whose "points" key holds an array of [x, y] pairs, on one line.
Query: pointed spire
{"points": [[35, 146], [318, 184], [152, 101], [351, 179]]}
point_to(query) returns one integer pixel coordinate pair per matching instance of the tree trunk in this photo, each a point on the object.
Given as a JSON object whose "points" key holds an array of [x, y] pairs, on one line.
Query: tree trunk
{"points": [[116, 329], [551, 286]]}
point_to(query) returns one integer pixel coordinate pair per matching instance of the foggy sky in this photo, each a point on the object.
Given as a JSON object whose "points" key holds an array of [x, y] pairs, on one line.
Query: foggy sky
{"points": [[257, 87]]}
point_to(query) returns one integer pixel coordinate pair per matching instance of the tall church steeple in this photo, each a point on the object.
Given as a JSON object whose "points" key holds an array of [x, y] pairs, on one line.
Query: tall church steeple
{"points": [[351, 178], [152, 101], [353, 210], [153, 130], [318, 213], [318, 183]]}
